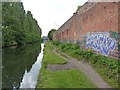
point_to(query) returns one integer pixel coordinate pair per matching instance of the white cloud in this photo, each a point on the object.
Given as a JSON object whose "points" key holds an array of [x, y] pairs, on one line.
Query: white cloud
{"points": [[51, 13]]}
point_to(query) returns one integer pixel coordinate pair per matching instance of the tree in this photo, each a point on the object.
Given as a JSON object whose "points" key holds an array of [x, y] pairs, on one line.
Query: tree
{"points": [[21, 27], [50, 34]]}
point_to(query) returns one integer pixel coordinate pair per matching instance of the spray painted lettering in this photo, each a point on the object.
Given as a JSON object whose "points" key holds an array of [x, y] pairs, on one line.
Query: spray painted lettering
{"points": [[100, 41]]}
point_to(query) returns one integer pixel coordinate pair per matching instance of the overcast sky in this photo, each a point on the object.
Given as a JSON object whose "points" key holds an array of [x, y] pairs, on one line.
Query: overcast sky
{"points": [[51, 14]]}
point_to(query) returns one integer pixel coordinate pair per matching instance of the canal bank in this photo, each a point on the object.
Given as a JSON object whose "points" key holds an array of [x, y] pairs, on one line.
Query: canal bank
{"points": [[56, 72]]}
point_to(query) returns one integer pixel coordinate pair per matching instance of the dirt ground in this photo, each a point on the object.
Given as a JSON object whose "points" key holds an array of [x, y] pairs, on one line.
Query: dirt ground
{"points": [[73, 63]]}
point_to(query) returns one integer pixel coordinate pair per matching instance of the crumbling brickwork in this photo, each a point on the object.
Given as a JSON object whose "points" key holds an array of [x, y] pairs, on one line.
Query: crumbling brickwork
{"points": [[94, 26]]}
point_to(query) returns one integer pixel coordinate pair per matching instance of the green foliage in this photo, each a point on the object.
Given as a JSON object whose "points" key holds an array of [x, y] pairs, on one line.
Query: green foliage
{"points": [[18, 27], [64, 79], [106, 67], [50, 57], [78, 7], [84, 54], [50, 34], [56, 43], [7, 36], [66, 46], [60, 79]]}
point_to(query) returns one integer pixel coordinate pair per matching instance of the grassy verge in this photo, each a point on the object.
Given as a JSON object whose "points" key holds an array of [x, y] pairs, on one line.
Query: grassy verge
{"points": [[106, 67], [62, 54], [60, 79], [50, 57]]}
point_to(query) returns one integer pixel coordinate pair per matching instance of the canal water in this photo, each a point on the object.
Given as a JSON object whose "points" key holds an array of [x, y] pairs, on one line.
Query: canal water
{"points": [[21, 65]]}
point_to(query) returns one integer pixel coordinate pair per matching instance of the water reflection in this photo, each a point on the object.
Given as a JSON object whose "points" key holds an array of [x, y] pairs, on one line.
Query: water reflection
{"points": [[30, 78], [15, 61]]}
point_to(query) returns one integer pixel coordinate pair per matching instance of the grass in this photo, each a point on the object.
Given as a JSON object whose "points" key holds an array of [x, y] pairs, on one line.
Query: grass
{"points": [[50, 57], [106, 67], [60, 79], [62, 55], [64, 79]]}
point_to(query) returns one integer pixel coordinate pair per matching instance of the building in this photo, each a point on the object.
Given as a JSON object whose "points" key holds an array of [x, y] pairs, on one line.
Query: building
{"points": [[45, 38]]}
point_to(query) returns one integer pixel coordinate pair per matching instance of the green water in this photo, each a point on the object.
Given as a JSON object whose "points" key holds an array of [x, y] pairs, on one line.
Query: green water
{"points": [[17, 60]]}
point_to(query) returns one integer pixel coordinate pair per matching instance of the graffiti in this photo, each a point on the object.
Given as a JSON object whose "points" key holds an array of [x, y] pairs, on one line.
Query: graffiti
{"points": [[116, 35], [100, 41]]}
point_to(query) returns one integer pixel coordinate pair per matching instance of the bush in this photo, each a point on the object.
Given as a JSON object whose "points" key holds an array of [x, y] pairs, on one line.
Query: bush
{"points": [[7, 36], [56, 43]]}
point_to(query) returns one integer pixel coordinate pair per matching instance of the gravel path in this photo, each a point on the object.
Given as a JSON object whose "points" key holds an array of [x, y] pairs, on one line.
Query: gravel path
{"points": [[83, 67]]}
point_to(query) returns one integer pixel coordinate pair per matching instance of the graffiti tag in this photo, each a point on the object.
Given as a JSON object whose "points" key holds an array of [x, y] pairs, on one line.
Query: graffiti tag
{"points": [[100, 41]]}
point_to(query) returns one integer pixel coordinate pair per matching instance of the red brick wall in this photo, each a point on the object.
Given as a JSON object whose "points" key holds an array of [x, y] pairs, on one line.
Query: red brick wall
{"points": [[92, 17]]}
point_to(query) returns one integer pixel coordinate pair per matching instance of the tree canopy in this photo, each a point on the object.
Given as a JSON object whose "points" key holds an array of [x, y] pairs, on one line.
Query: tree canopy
{"points": [[50, 34], [18, 27]]}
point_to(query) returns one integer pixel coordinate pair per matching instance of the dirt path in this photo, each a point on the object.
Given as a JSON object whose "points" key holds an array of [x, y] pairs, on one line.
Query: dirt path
{"points": [[60, 67], [83, 67]]}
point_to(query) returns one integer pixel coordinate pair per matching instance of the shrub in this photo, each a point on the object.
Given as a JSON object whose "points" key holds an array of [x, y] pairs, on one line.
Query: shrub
{"points": [[56, 43]]}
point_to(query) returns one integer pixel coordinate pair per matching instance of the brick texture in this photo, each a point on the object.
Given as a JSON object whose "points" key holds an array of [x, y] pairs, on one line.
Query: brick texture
{"points": [[92, 17]]}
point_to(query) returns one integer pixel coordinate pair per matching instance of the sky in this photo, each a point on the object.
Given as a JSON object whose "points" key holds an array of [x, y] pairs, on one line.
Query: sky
{"points": [[51, 14]]}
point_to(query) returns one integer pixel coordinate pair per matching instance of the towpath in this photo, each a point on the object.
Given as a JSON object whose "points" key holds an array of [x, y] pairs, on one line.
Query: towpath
{"points": [[83, 67]]}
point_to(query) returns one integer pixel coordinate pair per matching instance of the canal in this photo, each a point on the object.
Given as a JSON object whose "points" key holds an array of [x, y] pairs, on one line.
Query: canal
{"points": [[21, 65]]}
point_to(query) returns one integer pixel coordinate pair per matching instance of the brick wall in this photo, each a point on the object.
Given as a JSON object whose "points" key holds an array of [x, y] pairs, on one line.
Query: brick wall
{"points": [[94, 26]]}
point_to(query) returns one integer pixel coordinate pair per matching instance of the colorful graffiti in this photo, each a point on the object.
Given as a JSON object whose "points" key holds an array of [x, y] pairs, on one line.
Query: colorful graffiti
{"points": [[100, 41], [116, 35]]}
